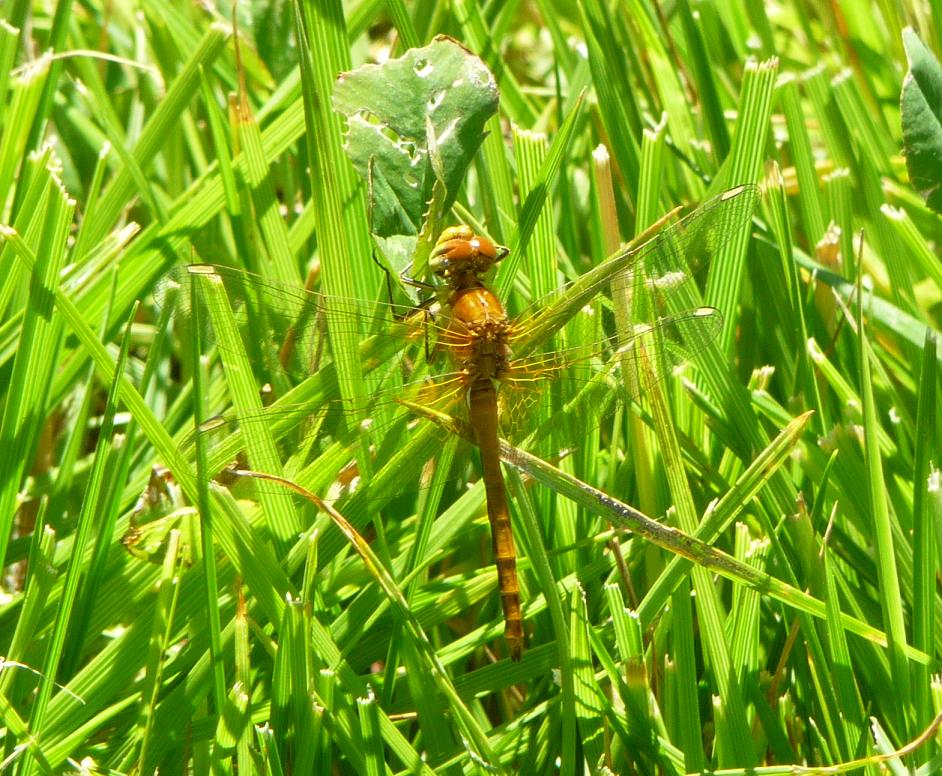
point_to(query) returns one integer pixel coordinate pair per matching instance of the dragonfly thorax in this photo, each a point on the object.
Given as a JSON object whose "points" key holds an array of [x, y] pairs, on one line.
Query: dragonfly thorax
{"points": [[478, 332]]}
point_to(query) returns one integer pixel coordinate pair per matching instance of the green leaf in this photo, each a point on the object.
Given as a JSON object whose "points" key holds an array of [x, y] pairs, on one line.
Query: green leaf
{"points": [[921, 107], [431, 101]]}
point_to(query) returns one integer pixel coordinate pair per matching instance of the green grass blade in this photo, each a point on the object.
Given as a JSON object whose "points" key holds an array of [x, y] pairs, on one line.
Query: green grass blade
{"points": [[925, 551], [39, 342], [888, 573]]}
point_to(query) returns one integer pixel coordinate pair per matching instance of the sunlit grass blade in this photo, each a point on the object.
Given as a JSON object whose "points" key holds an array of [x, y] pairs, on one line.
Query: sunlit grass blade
{"points": [[535, 202], [721, 514], [925, 550], [184, 88], [343, 233], [160, 641], [841, 658], [260, 447], [587, 693], [888, 573], [204, 507], [40, 339], [276, 259], [26, 93]]}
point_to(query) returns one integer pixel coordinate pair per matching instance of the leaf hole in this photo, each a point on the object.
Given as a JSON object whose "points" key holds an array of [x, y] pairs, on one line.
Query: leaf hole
{"points": [[422, 68], [435, 100]]}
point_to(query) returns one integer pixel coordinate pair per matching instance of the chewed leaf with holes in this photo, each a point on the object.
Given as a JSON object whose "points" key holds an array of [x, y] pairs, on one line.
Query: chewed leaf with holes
{"points": [[431, 102]]}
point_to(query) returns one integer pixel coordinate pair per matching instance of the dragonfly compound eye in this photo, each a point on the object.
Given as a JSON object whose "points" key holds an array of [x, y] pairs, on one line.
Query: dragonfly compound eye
{"points": [[454, 250], [488, 248], [450, 256], [460, 255]]}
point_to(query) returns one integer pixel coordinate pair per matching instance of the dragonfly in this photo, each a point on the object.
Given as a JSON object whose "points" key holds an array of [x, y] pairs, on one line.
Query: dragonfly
{"points": [[501, 367]]}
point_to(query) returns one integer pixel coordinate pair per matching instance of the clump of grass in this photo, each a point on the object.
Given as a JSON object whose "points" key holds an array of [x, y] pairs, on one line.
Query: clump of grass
{"points": [[766, 602]]}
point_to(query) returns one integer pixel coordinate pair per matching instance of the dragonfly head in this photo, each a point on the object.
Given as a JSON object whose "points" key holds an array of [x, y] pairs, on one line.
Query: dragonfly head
{"points": [[460, 256]]}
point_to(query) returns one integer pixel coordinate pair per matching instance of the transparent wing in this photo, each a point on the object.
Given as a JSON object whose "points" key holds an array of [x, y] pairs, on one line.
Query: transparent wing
{"points": [[660, 274], [284, 328], [655, 310], [583, 383]]}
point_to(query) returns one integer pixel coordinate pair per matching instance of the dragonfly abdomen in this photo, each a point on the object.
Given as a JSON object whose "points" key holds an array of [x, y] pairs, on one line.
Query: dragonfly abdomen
{"points": [[482, 402], [478, 333]]}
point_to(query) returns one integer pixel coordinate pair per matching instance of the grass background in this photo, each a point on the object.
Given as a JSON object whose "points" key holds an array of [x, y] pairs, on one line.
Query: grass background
{"points": [[806, 637]]}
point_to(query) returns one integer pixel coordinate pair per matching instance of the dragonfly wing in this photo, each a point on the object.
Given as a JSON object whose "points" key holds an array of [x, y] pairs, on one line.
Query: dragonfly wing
{"points": [[319, 437], [662, 271], [318, 446], [585, 380], [282, 328]]}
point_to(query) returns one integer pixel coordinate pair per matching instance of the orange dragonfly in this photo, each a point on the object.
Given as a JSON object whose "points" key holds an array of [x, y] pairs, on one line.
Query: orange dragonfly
{"points": [[283, 329]]}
